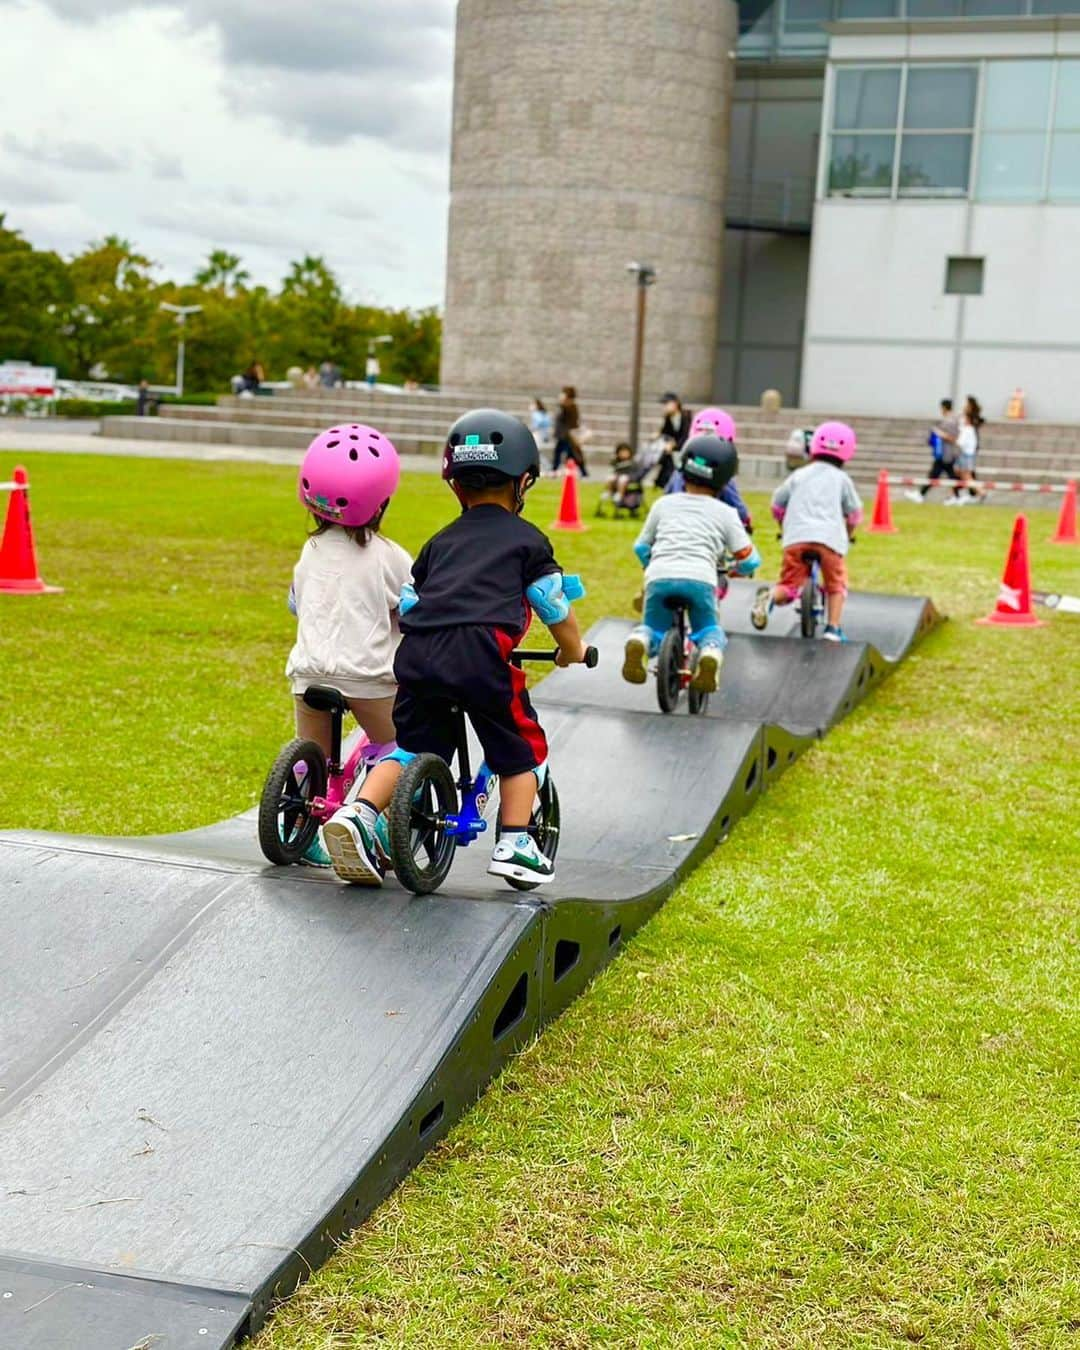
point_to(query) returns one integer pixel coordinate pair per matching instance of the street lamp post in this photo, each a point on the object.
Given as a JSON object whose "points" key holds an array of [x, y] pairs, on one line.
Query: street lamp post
{"points": [[181, 312], [646, 275]]}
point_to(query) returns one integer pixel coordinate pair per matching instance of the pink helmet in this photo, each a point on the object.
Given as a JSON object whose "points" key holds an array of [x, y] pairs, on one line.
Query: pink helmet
{"points": [[833, 438], [714, 420], [348, 474]]}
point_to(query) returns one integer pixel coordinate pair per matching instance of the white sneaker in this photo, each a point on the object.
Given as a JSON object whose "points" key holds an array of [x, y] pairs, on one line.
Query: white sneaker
{"points": [[951, 501], [759, 611], [962, 501], [353, 848], [517, 856], [914, 495]]}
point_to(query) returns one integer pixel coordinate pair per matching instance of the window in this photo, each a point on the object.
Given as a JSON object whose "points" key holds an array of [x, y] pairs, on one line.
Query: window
{"points": [[1064, 184], [1015, 114], [964, 276], [934, 124], [939, 112]]}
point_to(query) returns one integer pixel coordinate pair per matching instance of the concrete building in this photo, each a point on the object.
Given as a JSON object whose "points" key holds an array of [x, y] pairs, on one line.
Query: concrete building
{"points": [[901, 206]]}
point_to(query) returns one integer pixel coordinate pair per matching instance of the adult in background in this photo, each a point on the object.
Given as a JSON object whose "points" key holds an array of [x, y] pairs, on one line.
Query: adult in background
{"points": [[540, 424], [568, 432], [674, 432], [967, 446], [942, 441], [252, 378]]}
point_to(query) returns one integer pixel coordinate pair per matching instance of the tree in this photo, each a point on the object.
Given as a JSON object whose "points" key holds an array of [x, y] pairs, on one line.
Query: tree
{"points": [[223, 272], [33, 287], [109, 318]]}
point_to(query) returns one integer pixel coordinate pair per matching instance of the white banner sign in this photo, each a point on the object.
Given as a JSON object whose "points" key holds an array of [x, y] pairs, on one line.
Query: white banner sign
{"points": [[22, 381]]}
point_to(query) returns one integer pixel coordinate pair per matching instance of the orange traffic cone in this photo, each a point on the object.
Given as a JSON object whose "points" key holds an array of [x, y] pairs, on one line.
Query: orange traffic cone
{"points": [[1013, 608], [881, 521], [569, 517], [1066, 526], [18, 563]]}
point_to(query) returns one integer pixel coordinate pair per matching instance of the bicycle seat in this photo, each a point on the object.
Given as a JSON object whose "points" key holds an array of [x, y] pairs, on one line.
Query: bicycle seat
{"points": [[324, 698], [811, 555]]}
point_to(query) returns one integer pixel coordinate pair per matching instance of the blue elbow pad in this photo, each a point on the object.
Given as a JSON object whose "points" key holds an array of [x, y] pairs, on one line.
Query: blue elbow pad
{"points": [[572, 586], [644, 553], [749, 565], [548, 598], [408, 598]]}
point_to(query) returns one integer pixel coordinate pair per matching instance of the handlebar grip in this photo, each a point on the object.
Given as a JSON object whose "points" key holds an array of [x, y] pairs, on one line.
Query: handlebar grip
{"points": [[592, 657]]}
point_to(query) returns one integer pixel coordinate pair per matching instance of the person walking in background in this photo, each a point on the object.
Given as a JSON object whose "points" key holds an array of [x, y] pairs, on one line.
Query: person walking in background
{"points": [[942, 441], [540, 424], [967, 446], [674, 432], [567, 432], [372, 370]]}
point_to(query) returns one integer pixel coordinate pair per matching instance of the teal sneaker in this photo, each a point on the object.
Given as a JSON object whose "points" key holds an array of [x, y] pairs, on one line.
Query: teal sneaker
{"points": [[357, 853], [315, 855]]}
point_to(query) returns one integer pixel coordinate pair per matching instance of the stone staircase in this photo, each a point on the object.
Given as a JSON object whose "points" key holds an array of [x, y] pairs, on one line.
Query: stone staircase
{"points": [[417, 423]]}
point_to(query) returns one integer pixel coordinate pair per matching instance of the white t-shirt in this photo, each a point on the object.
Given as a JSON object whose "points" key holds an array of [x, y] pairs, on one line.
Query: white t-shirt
{"points": [[688, 535], [346, 614], [818, 500]]}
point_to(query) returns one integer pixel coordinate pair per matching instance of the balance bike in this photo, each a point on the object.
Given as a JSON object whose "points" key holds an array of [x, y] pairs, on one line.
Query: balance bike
{"points": [[303, 790], [428, 820]]}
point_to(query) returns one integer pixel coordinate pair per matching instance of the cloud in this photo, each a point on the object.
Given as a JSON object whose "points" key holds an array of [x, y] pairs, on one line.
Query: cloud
{"points": [[347, 68], [19, 190], [224, 226], [80, 156], [167, 167]]}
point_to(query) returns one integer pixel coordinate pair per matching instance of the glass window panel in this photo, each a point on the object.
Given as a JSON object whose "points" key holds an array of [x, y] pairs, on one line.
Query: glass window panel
{"points": [[803, 15], [1055, 6], [1065, 167], [934, 166], [940, 96], [1017, 95], [1011, 166], [867, 9], [861, 164], [1067, 114], [867, 99], [964, 276], [976, 8], [932, 9]]}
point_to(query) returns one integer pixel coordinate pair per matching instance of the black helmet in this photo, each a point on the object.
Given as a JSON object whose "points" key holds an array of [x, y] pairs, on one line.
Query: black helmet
{"points": [[494, 444], [708, 460]]}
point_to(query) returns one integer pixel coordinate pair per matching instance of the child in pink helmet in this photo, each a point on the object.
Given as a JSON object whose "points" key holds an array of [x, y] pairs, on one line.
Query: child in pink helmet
{"points": [[818, 509], [346, 587]]}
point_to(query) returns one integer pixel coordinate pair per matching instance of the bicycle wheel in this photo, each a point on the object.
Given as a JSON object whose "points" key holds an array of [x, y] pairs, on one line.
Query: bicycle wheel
{"points": [[547, 822], [808, 608], [420, 849], [697, 703], [286, 826], [669, 670]]}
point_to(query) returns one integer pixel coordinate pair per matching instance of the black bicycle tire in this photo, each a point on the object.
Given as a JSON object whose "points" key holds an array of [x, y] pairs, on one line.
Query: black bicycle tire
{"points": [[547, 822], [807, 605], [424, 769], [274, 848], [669, 660]]}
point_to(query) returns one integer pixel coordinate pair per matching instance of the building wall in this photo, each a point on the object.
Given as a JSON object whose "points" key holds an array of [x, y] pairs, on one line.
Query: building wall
{"points": [[587, 133], [883, 337]]}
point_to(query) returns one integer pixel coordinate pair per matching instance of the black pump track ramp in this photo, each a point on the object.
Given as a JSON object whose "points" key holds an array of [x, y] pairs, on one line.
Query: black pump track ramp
{"points": [[211, 1069]]}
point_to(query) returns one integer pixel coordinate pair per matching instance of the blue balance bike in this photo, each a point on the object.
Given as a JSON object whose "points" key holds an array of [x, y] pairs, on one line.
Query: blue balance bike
{"points": [[812, 602], [428, 820]]}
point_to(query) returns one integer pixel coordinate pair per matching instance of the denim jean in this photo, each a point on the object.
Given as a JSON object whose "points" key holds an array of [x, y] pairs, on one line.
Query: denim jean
{"points": [[700, 600]]}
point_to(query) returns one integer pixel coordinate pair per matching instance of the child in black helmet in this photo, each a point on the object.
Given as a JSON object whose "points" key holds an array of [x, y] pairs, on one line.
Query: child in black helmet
{"points": [[683, 545], [469, 604]]}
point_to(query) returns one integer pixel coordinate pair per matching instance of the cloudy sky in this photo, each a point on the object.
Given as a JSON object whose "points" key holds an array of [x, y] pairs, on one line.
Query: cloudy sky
{"points": [[269, 127]]}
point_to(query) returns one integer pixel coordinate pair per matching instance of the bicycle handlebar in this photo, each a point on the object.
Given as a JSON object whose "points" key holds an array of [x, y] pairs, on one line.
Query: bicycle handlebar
{"points": [[519, 654]]}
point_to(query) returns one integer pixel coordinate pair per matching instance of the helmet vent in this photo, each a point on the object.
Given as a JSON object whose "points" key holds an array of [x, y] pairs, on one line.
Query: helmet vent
{"points": [[455, 439], [343, 501], [305, 483], [332, 445], [373, 451], [496, 438], [354, 454]]}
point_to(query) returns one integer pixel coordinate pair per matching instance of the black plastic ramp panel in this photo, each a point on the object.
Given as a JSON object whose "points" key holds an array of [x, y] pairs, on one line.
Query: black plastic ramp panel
{"points": [[50, 1307]]}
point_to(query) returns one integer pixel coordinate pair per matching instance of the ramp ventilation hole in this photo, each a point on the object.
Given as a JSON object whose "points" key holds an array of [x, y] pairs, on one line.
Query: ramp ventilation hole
{"points": [[432, 1118], [771, 762], [751, 777], [725, 825], [862, 677], [513, 1010], [567, 955], [615, 935], [791, 756]]}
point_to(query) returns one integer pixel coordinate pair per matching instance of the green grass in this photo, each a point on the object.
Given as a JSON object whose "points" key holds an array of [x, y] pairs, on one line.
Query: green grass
{"points": [[827, 1097]]}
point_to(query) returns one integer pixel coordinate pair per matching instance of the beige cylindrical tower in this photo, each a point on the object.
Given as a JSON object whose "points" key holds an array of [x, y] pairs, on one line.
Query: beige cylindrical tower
{"points": [[587, 134]]}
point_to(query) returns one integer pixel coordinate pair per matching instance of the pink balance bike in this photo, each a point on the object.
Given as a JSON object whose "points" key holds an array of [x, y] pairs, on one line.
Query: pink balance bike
{"points": [[303, 790]]}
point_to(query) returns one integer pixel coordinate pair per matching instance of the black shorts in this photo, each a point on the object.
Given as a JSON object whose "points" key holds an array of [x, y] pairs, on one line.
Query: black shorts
{"points": [[467, 667]]}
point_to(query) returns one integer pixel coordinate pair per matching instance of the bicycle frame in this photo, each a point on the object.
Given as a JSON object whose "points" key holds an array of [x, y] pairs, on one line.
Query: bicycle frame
{"points": [[341, 777], [468, 823]]}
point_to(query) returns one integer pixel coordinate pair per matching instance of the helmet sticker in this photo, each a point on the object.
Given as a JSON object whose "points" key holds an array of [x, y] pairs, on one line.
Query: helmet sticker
{"points": [[475, 452]]}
